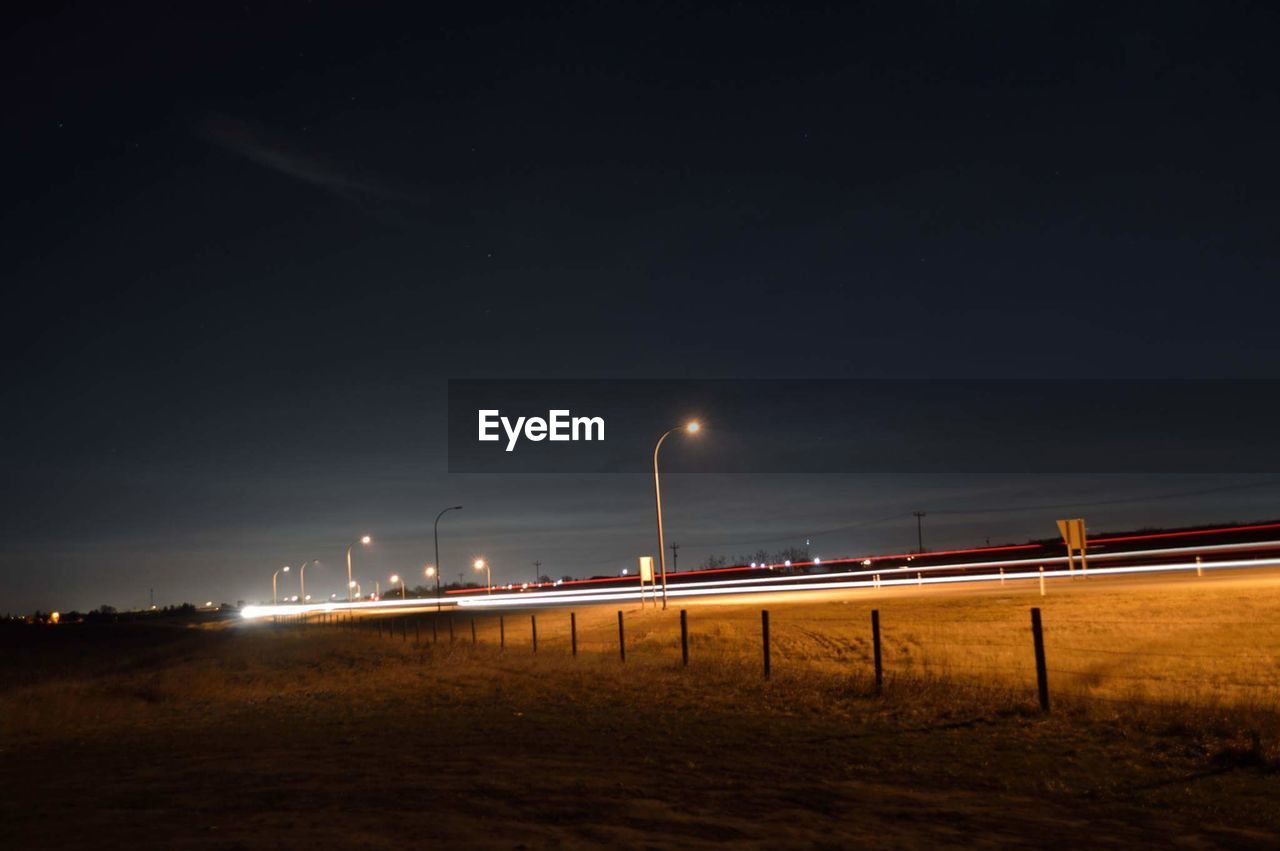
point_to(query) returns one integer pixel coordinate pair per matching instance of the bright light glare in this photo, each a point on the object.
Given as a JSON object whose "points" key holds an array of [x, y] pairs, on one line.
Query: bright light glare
{"points": [[366, 540], [479, 564], [351, 584], [693, 427], [395, 577], [285, 568], [430, 571]]}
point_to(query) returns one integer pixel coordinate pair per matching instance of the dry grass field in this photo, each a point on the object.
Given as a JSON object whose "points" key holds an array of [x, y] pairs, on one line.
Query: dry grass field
{"points": [[1164, 729]]}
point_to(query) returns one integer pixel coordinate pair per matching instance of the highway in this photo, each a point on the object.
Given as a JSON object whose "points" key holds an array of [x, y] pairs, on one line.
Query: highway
{"points": [[1198, 551]]}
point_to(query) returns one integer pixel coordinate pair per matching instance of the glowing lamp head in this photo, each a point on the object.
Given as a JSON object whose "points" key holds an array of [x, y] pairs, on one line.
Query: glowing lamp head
{"points": [[351, 584], [366, 540], [430, 571], [479, 564], [285, 568], [395, 577], [693, 427]]}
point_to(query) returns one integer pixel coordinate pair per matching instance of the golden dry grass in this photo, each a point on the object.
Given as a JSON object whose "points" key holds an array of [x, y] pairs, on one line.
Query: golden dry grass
{"points": [[325, 736]]}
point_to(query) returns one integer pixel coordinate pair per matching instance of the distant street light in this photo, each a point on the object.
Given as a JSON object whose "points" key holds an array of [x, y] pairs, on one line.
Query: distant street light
{"points": [[366, 540], [395, 577], [356, 585], [692, 427], [437, 534], [274, 599], [481, 564], [302, 578]]}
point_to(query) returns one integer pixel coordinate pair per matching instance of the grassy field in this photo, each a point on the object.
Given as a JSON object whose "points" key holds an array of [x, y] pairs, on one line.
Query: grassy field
{"points": [[258, 736]]}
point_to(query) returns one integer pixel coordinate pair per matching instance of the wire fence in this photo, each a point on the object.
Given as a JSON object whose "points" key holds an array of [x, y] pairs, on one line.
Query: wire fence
{"points": [[1139, 660]]}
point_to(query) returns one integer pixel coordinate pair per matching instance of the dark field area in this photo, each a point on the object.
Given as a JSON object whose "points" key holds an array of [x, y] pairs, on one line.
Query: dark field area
{"points": [[284, 737]]}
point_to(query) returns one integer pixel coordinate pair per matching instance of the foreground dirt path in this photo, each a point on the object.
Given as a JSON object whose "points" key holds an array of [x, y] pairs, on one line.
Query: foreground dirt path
{"points": [[263, 740]]}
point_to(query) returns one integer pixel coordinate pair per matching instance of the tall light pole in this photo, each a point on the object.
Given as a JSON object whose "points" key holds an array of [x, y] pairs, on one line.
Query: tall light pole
{"points": [[691, 427], [395, 577], [284, 569], [302, 579], [366, 541], [430, 571], [437, 535], [537, 572], [481, 564]]}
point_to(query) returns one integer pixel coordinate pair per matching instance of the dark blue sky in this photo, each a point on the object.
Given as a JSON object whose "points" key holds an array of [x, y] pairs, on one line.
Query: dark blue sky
{"points": [[245, 249]]}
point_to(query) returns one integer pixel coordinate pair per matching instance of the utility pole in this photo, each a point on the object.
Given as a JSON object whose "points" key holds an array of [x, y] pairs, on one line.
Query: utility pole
{"points": [[920, 515], [537, 572], [675, 557]]}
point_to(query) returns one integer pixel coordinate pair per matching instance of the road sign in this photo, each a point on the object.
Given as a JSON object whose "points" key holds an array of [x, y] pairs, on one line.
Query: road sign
{"points": [[1072, 532], [1073, 535], [646, 568]]}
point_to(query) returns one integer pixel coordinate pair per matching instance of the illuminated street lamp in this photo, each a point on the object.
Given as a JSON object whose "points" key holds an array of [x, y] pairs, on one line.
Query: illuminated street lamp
{"points": [[437, 534], [274, 576], [366, 540], [692, 427], [302, 578], [481, 564], [356, 585], [395, 577]]}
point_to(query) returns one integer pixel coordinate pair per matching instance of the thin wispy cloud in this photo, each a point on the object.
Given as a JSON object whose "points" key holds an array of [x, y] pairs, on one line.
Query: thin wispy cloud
{"points": [[267, 150]]}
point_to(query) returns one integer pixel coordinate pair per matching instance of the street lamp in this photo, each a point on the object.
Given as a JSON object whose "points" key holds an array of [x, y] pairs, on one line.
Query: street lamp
{"points": [[302, 578], [395, 577], [366, 540], [481, 564], [437, 534], [284, 569], [692, 427], [356, 585]]}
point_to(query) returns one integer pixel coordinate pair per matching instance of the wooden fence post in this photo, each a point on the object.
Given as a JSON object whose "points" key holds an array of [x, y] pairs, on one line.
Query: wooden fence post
{"points": [[533, 624], [1042, 673], [622, 639], [684, 637], [764, 637], [875, 649]]}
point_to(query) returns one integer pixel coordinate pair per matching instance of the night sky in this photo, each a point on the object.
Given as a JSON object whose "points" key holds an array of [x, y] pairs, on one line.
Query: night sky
{"points": [[245, 248]]}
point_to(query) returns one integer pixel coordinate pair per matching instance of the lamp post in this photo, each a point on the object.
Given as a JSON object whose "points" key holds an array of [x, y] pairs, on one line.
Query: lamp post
{"points": [[437, 535], [481, 564], [366, 541], [395, 577], [692, 427], [302, 579], [356, 585], [284, 569]]}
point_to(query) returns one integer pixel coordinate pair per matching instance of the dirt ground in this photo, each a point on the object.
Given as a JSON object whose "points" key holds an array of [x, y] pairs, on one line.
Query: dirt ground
{"points": [[282, 737]]}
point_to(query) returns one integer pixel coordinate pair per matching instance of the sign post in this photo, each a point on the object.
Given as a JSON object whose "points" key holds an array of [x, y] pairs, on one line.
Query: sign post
{"points": [[646, 575], [1073, 535]]}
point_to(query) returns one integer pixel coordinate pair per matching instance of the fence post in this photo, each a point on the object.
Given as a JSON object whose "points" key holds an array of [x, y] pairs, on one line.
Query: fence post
{"points": [[1002, 576], [875, 648], [573, 632], [1042, 673], [473, 632], [533, 624], [764, 637], [1199, 568], [502, 633], [1042, 580], [622, 639], [684, 636]]}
